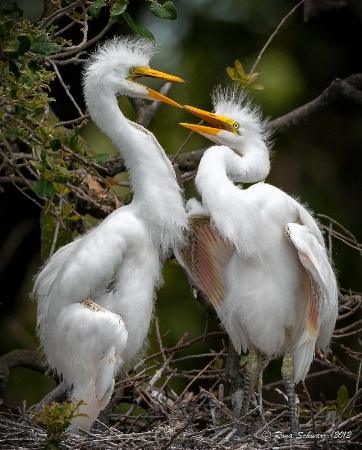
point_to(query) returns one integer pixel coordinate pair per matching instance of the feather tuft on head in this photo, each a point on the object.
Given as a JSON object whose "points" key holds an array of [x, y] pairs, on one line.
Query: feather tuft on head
{"points": [[121, 47], [233, 103], [117, 55]]}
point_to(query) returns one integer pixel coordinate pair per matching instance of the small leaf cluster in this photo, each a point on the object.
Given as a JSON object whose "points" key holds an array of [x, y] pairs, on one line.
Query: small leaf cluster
{"points": [[24, 80], [53, 168], [42, 154], [118, 12], [242, 79], [56, 418], [343, 407]]}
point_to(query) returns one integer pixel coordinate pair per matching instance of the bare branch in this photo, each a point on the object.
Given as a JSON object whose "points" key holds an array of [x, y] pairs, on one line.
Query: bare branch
{"points": [[348, 89], [15, 358]]}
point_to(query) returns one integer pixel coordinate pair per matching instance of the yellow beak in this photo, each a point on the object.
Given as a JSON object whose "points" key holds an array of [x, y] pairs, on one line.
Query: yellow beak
{"points": [[154, 95], [137, 72], [201, 129], [219, 122]]}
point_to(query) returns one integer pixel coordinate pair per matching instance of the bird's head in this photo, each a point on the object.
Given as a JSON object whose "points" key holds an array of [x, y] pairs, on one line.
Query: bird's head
{"points": [[234, 123], [117, 64]]}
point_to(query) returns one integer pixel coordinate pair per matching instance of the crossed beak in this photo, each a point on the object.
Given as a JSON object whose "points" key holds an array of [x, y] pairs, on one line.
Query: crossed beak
{"points": [[219, 122], [137, 72]]}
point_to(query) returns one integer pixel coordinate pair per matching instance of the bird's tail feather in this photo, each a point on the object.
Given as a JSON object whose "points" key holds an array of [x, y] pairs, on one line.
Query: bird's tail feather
{"points": [[87, 412], [303, 357]]}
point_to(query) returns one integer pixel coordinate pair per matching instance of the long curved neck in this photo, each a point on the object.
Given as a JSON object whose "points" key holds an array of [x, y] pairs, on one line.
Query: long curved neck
{"points": [[157, 196], [228, 204]]}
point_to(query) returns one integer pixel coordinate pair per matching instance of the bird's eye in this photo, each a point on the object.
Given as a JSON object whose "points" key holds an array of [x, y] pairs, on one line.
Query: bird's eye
{"points": [[132, 70], [236, 125]]}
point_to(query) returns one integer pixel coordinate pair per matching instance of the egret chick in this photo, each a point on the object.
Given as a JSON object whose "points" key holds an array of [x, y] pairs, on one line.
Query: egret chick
{"points": [[256, 253], [95, 296]]}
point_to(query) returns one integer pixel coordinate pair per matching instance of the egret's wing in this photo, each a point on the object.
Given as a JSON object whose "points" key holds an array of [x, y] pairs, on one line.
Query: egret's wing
{"points": [[86, 266], [86, 347], [205, 258], [52, 266], [314, 258], [104, 382], [320, 289]]}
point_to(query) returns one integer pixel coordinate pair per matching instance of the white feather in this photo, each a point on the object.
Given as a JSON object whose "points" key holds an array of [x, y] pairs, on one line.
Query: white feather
{"points": [[118, 263], [265, 292]]}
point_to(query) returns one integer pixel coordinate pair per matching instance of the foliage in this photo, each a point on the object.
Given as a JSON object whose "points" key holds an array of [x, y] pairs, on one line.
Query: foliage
{"points": [[343, 406], [56, 418], [118, 12], [243, 80], [24, 79], [44, 155]]}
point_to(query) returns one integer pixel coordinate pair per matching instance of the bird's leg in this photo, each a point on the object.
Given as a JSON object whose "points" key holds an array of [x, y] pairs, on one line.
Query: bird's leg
{"points": [[250, 377], [232, 368], [288, 378]]}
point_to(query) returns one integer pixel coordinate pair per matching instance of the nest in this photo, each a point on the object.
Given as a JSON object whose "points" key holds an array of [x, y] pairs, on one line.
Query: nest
{"points": [[200, 416]]}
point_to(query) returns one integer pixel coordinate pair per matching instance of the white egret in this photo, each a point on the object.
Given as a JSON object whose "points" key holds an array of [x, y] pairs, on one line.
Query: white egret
{"points": [[256, 253], [95, 295]]}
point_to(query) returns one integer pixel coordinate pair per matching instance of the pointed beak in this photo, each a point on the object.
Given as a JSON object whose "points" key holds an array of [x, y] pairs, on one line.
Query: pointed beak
{"points": [[154, 95], [205, 131], [137, 72], [219, 122]]}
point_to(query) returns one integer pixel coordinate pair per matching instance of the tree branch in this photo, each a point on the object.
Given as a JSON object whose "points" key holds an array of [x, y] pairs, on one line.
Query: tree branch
{"points": [[348, 89], [146, 112], [59, 394], [19, 358]]}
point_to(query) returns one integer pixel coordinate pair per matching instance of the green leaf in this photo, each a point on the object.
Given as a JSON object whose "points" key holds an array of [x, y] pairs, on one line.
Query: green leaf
{"points": [[43, 188], [75, 218], [74, 139], [95, 8], [43, 157], [230, 71], [100, 158], [118, 8], [55, 144], [12, 134], [14, 69], [133, 24], [342, 398], [165, 11], [242, 79], [67, 209], [61, 188], [239, 67], [37, 165], [41, 38], [24, 44], [44, 48], [10, 45], [256, 86]]}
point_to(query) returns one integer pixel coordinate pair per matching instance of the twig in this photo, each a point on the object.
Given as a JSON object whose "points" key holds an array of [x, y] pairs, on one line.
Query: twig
{"points": [[273, 35], [66, 88], [338, 89], [217, 356], [305, 390]]}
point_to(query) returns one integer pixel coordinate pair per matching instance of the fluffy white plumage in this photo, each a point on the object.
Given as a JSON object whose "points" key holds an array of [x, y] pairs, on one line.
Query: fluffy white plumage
{"points": [[95, 295], [261, 258]]}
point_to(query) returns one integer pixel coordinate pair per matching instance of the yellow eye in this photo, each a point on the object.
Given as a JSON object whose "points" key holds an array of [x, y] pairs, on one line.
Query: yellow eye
{"points": [[132, 70], [236, 125]]}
